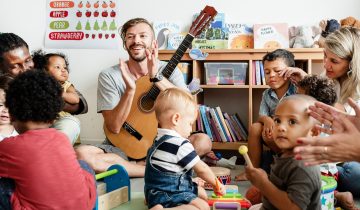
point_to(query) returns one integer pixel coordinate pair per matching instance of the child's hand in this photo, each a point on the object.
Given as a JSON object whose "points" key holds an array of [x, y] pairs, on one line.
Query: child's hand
{"points": [[256, 176], [293, 73], [268, 128], [219, 188]]}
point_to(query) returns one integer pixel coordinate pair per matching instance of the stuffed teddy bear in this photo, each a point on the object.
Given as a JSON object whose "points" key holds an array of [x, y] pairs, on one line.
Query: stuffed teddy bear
{"points": [[303, 36], [350, 21], [327, 27]]}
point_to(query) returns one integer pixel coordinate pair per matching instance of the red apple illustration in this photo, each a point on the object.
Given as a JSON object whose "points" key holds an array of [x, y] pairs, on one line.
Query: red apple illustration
{"points": [[88, 13], [79, 14], [112, 13], [112, 35], [112, 4], [104, 5], [104, 13], [100, 36], [96, 13], [87, 35], [80, 5], [106, 36], [93, 36], [96, 5], [88, 5]]}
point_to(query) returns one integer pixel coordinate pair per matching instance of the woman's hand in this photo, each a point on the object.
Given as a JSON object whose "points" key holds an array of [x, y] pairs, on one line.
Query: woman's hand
{"points": [[293, 73]]}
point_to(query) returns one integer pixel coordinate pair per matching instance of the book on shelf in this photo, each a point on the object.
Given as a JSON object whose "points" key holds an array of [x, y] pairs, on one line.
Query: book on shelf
{"points": [[223, 124], [174, 40], [257, 73], [205, 121], [262, 73], [218, 125], [185, 68], [233, 126], [271, 36], [242, 127], [241, 36], [162, 29]]}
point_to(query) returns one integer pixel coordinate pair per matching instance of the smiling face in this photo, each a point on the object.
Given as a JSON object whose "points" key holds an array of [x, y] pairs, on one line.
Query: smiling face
{"points": [[57, 68], [137, 39], [291, 122], [335, 67], [272, 69], [4, 113], [17, 61]]}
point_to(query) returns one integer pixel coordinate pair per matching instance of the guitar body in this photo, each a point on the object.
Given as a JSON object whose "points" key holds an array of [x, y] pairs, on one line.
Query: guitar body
{"points": [[138, 132], [144, 121]]}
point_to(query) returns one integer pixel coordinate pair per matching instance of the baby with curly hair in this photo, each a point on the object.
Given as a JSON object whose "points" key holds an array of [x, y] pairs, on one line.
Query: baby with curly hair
{"points": [[57, 65], [38, 167]]}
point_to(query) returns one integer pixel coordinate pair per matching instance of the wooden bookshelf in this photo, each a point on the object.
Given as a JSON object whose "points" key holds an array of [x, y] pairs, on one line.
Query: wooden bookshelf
{"points": [[242, 99]]}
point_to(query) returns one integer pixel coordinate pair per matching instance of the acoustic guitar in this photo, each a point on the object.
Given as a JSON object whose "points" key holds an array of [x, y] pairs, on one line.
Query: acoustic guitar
{"points": [[139, 130]]}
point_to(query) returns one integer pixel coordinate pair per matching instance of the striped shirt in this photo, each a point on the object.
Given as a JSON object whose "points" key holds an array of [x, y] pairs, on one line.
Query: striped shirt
{"points": [[176, 154]]}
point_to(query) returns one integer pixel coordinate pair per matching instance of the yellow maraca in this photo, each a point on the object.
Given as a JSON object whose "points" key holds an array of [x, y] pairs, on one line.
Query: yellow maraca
{"points": [[243, 151]]}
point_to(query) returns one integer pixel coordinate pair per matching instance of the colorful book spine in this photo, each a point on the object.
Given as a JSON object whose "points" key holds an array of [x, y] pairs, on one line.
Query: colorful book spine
{"points": [[205, 121], [233, 125], [223, 124], [218, 125]]}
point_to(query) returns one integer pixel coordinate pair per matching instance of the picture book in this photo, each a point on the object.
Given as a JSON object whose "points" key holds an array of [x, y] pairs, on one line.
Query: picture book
{"points": [[184, 68], [174, 40], [241, 36], [162, 30], [271, 36]]}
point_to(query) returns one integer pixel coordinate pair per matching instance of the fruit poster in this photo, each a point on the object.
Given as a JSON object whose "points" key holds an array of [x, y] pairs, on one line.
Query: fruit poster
{"points": [[89, 24]]}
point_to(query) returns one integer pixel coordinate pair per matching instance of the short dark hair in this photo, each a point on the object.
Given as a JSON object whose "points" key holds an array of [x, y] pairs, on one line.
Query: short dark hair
{"points": [[287, 56], [10, 41], [41, 59], [34, 96], [321, 88], [132, 22]]}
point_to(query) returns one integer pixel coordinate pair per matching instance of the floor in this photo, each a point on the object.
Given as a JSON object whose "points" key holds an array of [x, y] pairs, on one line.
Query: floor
{"points": [[137, 193]]}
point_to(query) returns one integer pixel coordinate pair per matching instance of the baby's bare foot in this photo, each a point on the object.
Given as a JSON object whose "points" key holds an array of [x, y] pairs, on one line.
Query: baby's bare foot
{"points": [[157, 207]]}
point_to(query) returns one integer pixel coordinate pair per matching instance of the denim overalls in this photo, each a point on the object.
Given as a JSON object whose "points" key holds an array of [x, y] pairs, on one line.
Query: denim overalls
{"points": [[167, 188]]}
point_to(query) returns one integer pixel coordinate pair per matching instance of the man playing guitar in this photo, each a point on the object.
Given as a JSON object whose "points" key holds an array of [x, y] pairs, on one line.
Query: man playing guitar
{"points": [[116, 90]]}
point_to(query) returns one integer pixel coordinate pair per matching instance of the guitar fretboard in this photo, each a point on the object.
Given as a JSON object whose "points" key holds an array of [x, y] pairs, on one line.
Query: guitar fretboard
{"points": [[171, 65]]}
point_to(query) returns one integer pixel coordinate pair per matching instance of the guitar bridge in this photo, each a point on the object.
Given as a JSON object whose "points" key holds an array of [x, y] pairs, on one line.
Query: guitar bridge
{"points": [[132, 131]]}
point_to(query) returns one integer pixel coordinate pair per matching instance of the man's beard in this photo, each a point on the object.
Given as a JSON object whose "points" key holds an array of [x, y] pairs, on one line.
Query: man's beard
{"points": [[139, 57]]}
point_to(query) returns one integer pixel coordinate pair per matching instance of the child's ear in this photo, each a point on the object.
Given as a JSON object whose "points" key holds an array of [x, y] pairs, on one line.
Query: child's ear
{"points": [[175, 118]]}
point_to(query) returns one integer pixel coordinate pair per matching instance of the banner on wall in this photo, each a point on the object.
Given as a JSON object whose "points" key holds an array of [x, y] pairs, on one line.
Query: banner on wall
{"points": [[79, 24]]}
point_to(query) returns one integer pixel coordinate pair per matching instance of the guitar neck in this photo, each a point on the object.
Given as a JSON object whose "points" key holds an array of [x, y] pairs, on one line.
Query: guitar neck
{"points": [[173, 62], [176, 58]]}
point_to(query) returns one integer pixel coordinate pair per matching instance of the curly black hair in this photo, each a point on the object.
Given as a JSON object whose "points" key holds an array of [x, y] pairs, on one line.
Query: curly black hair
{"points": [[34, 96], [10, 41], [5, 81], [287, 56], [41, 59], [321, 88]]}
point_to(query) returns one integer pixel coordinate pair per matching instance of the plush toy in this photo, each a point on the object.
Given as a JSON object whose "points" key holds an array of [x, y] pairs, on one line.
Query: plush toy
{"points": [[303, 36], [327, 27], [350, 21]]}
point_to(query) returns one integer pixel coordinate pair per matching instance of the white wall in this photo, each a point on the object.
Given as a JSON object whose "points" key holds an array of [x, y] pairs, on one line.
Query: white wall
{"points": [[27, 19]]}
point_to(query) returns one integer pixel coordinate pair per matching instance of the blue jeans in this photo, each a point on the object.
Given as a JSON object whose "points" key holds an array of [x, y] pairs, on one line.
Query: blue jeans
{"points": [[349, 178], [7, 187], [70, 126]]}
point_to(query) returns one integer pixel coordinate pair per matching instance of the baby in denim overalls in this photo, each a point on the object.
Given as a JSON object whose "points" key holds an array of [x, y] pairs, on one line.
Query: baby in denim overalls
{"points": [[171, 159]]}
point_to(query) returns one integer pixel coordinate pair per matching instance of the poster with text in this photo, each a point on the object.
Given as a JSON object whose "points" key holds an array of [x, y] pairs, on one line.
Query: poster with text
{"points": [[80, 24]]}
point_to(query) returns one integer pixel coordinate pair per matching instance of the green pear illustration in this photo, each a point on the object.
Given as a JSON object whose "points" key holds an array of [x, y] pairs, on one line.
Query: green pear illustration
{"points": [[113, 26], [87, 26], [104, 26], [96, 26], [78, 26]]}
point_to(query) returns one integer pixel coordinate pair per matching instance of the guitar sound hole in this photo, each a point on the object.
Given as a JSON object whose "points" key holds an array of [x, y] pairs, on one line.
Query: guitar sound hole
{"points": [[146, 104]]}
